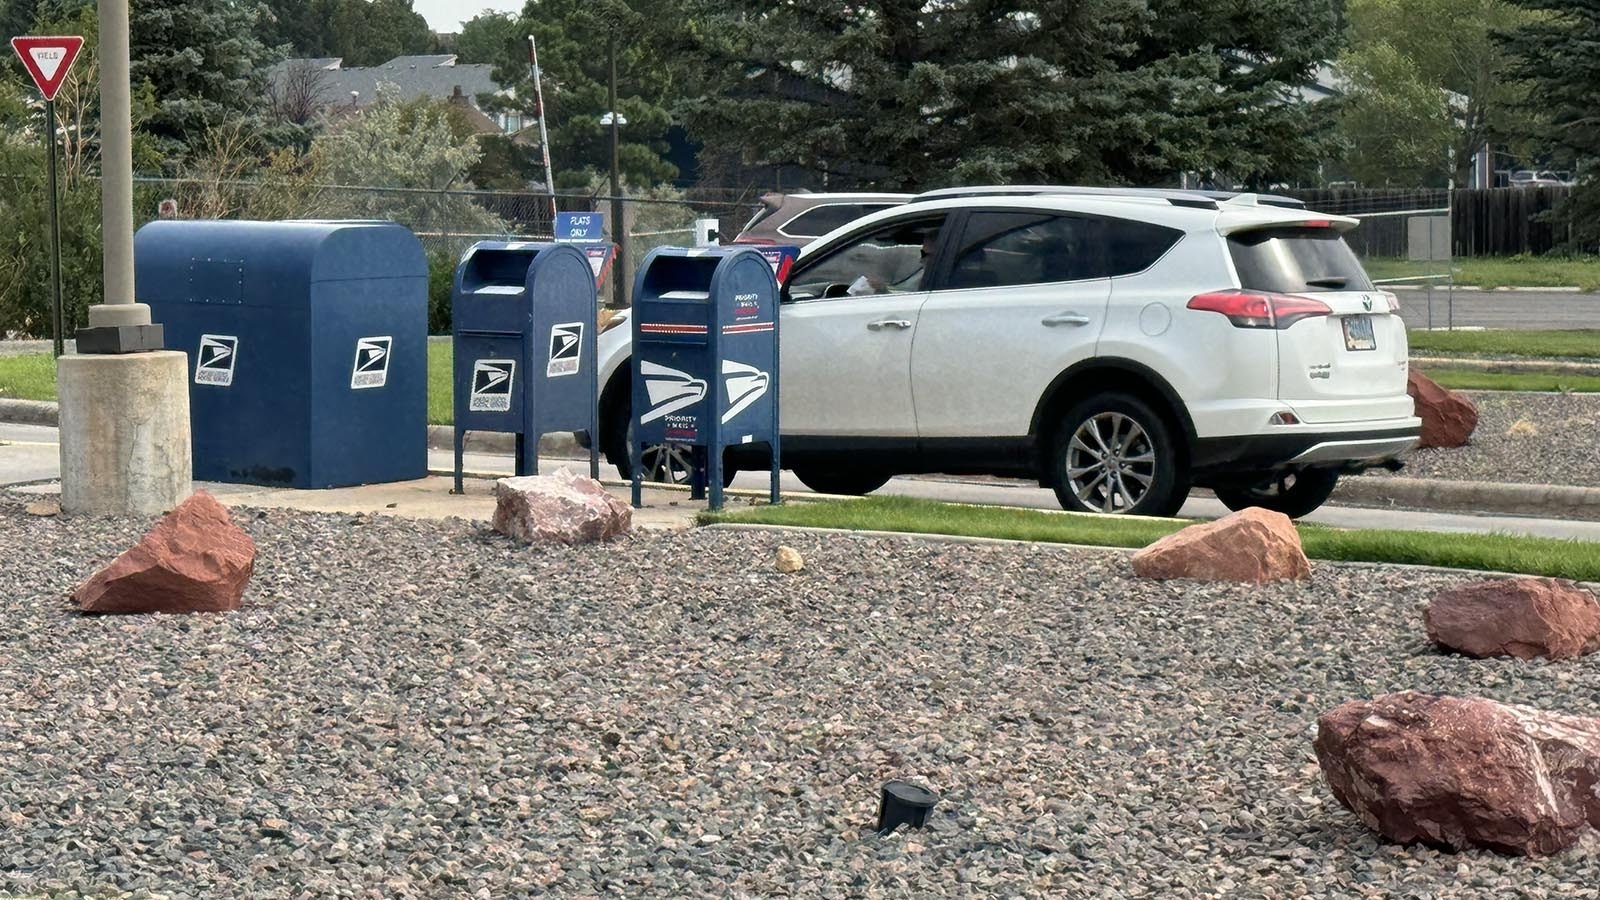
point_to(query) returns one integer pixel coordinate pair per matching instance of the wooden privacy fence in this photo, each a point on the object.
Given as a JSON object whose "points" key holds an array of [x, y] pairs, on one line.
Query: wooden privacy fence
{"points": [[1490, 222]]}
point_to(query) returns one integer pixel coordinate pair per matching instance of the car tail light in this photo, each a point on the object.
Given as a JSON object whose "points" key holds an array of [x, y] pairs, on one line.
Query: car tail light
{"points": [[1258, 309], [1393, 300], [1284, 418]]}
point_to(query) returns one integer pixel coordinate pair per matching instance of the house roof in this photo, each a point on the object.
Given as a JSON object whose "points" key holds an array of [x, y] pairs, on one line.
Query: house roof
{"points": [[436, 77]]}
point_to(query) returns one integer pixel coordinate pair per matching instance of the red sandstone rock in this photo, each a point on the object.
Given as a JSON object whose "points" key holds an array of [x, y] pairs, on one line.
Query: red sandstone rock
{"points": [[1463, 773], [194, 560], [563, 507], [1521, 617], [1448, 419], [1253, 544]]}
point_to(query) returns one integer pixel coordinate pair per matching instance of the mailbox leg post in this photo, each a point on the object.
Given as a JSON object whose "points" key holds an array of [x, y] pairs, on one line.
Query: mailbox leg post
{"points": [[697, 478], [461, 436], [714, 476], [636, 459], [776, 468]]}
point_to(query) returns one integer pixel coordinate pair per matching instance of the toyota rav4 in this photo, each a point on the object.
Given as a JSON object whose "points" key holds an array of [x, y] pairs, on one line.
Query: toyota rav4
{"points": [[1118, 346]]}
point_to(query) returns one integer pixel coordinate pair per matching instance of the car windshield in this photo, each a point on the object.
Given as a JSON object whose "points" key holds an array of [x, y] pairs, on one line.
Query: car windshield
{"points": [[1296, 261]]}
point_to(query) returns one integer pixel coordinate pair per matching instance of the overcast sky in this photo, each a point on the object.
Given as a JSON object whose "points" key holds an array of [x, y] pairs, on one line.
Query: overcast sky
{"points": [[447, 15]]}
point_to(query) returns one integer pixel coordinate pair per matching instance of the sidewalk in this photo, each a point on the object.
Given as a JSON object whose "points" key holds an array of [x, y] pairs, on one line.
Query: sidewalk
{"points": [[30, 465]]}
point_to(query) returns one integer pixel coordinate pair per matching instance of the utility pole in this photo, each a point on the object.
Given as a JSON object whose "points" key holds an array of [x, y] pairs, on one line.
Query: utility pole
{"points": [[119, 324], [619, 229], [124, 401]]}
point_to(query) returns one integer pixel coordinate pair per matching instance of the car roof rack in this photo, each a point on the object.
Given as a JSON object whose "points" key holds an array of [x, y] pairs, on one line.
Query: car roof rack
{"points": [[1196, 199]]}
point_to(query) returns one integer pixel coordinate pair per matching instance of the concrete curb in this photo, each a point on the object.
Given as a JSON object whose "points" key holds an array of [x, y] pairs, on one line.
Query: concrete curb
{"points": [[558, 443], [1510, 366], [30, 412], [1543, 500], [963, 539], [1477, 289]]}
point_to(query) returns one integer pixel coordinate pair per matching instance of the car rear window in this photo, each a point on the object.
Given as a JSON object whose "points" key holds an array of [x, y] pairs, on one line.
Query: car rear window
{"points": [[1296, 261], [820, 220]]}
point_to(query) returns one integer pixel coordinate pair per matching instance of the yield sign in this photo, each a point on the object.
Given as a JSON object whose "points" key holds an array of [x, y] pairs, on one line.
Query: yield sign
{"points": [[47, 59]]}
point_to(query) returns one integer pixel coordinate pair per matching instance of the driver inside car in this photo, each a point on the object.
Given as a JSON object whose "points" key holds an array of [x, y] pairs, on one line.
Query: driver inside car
{"points": [[870, 283]]}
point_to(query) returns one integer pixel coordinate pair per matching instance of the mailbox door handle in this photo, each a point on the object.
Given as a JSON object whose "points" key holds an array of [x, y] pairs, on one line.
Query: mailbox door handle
{"points": [[881, 324], [1067, 318]]}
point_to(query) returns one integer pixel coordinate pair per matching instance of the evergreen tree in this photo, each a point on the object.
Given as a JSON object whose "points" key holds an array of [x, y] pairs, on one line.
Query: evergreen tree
{"points": [[573, 36], [899, 93], [361, 32], [1554, 56], [204, 64], [491, 37]]}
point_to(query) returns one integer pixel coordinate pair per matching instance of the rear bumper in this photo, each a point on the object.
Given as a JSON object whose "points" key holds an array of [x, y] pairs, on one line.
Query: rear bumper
{"points": [[1320, 447]]}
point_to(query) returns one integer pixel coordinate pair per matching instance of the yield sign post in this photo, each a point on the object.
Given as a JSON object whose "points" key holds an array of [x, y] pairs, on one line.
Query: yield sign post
{"points": [[47, 60]]}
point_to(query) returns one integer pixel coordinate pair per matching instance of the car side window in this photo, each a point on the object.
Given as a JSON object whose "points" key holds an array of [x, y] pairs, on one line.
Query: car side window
{"points": [[887, 260], [1135, 246], [820, 220], [1005, 249]]}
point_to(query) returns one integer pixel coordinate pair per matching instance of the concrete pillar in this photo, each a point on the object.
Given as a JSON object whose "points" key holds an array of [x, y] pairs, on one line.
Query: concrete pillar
{"points": [[125, 447]]}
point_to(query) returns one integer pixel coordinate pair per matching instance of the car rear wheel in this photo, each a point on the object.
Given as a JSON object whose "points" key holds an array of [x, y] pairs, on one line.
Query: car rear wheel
{"points": [[1114, 454], [848, 484], [1294, 494]]}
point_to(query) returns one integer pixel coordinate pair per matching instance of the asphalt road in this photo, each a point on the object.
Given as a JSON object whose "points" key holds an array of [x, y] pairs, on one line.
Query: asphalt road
{"points": [[1500, 309]]}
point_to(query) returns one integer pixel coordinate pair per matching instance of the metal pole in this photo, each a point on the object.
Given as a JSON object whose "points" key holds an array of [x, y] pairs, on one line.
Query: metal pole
{"points": [[55, 230], [619, 230], [116, 166], [544, 134]]}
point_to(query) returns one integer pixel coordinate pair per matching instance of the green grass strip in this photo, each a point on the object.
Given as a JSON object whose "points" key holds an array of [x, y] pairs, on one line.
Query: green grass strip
{"points": [[1473, 380], [28, 377], [441, 397], [1577, 560], [1489, 272], [1550, 344]]}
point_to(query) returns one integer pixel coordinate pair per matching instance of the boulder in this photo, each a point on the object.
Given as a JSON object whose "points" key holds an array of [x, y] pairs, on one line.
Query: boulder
{"points": [[1253, 544], [1448, 419], [790, 561], [194, 560], [1463, 773], [562, 507], [1521, 617]]}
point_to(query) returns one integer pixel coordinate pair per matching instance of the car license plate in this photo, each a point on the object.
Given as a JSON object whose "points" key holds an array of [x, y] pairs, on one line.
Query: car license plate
{"points": [[1358, 334]]}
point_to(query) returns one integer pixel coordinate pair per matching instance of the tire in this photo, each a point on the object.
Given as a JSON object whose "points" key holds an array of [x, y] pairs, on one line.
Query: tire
{"points": [[1149, 478], [663, 463], [1295, 494], [847, 484]]}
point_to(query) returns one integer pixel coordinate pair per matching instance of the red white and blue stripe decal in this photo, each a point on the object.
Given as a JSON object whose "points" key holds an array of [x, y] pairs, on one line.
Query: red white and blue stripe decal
{"points": [[749, 328], [668, 328]]}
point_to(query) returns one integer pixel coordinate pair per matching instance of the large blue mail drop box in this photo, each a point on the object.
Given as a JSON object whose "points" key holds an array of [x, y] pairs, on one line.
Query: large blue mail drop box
{"points": [[307, 343]]}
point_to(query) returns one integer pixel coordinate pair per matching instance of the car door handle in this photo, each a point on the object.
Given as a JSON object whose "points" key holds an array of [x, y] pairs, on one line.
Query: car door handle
{"points": [[881, 324], [1067, 318]]}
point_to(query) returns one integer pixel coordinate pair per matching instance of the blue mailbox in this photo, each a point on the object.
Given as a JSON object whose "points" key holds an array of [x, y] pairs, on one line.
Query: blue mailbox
{"points": [[524, 316], [308, 346], [705, 358]]}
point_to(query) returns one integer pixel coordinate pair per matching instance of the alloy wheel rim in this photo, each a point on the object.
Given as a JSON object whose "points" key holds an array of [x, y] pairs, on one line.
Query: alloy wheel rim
{"points": [[667, 463], [1111, 463]]}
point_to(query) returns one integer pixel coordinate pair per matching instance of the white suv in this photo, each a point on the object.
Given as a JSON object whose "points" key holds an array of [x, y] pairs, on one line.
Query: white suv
{"points": [[1119, 346]]}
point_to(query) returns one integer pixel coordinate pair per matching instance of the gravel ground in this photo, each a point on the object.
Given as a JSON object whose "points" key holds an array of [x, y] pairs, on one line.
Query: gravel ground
{"points": [[1525, 437], [423, 709]]}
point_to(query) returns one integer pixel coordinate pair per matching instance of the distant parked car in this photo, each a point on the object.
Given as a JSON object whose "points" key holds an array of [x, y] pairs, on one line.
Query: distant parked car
{"points": [[1528, 178], [801, 218]]}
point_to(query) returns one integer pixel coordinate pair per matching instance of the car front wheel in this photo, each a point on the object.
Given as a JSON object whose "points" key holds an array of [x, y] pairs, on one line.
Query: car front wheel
{"points": [[1114, 454], [1294, 494]]}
